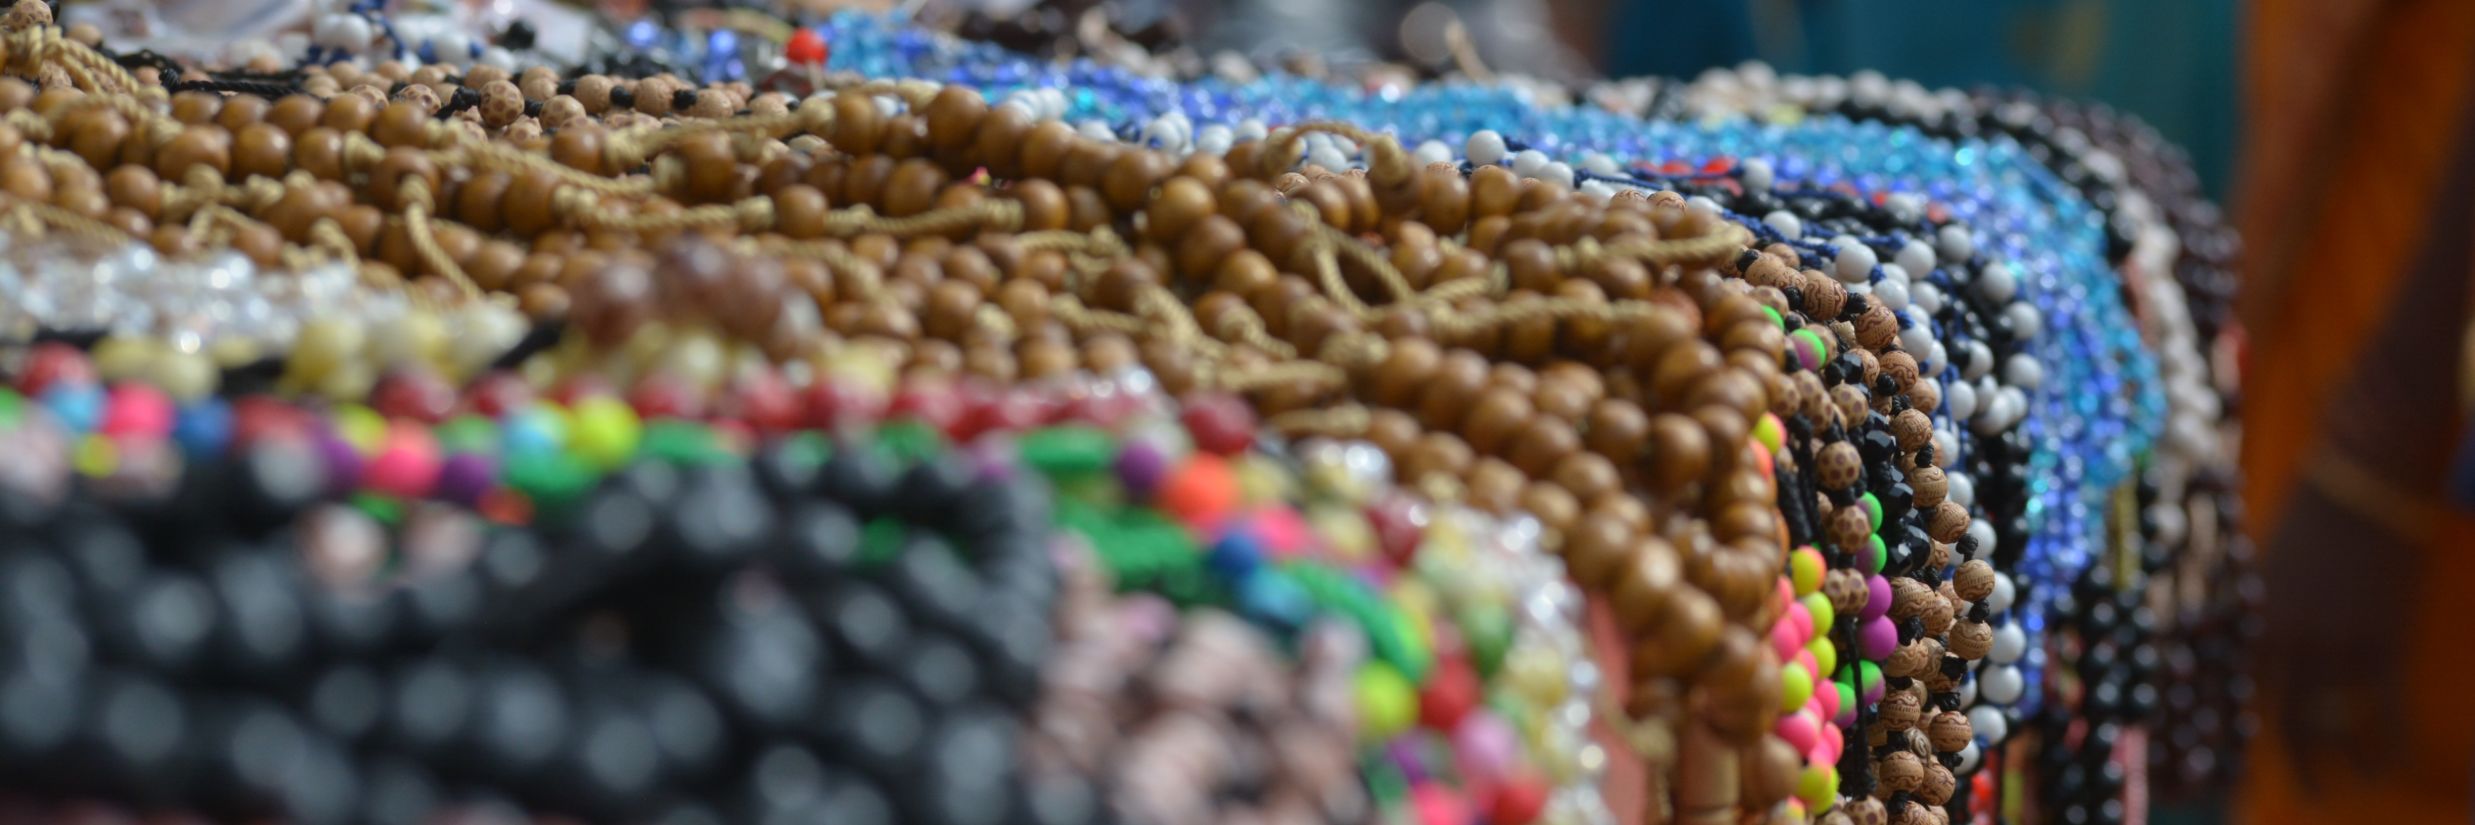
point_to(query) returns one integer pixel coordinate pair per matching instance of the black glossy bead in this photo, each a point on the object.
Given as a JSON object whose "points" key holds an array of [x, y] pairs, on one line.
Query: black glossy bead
{"points": [[877, 725], [720, 518], [820, 541], [429, 703], [347, 702], [867, 627]]}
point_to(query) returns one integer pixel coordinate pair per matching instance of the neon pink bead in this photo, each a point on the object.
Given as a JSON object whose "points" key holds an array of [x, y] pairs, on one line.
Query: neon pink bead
{"points": [[1800, 730], [1877, 599], [1784, 639], [1804, 659], [1802, 618], [1827, 697], [1837, 739], [406, 464], [1438, 804], [1283, 533], [136, 411]]}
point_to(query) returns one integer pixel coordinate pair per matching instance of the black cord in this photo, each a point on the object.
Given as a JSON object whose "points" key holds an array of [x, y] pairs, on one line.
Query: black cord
{"points": [[270, 91]]}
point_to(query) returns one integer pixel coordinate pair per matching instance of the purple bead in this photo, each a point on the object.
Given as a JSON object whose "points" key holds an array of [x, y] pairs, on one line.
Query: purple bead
{"points": [[1404, 754], [343, 463], [1488, 746], [1140, 467], [1878, 638], [464, 478], [1877, 598]]}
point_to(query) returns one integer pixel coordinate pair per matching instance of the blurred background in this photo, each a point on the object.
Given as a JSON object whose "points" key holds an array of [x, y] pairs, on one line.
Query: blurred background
{"points": [[2171, 62]]}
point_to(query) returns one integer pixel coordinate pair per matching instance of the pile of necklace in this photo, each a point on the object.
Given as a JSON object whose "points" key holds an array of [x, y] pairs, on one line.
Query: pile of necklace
{"points": [[751, 418]]}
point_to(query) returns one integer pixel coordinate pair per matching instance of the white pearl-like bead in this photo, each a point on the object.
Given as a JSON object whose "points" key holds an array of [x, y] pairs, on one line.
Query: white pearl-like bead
{"points": [[1755, 174], [1980, 360], [1096, 130], [2023, 371], [1954, 244], [1529, 162], [1906, 207], [1557, 173], [1968, 693], [1925, 296], [1214, 140], [1853, 261], [2027, 322], [1599, 163], [345, 32], [1961, 400], [1164, 134], [1915, 257], [1988, 720], [1328, 156], [499, 58], [1252, 129], [1893, 294], [1598, 190], [1433, 151], [1962, 489], [1484, 148], [1895, 272], [1996, 283], [1704, 204], [2009, 643], [1969, 757], [1946, 445], [1917, 339], [1998, 601], [1786, 223], [1936, 359], [452, 47]]}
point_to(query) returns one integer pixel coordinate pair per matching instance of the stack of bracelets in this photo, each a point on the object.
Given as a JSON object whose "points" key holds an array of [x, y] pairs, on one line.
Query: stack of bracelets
{"points": [[789, 414]]}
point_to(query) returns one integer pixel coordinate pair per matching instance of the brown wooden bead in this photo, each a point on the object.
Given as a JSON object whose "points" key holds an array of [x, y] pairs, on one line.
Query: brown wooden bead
{"points": [[1974, 581], [261, 150], [200, 147], [137, 188], [1949, 522], [1436, 454], [1681, 639], [1679, 453]]}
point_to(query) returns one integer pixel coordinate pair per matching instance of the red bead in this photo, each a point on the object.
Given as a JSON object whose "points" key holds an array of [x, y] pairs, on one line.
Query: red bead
{"points": [[1220, 424], [260, 418], [581, 387], [806, 48], [658, 395], [1718, 166], [54, 363], [498, 394], [938, 404], [415, 394], [1518, 801], [833, 405], [766, 403], [1396, 532], [1449, 695], [1004, 411]]}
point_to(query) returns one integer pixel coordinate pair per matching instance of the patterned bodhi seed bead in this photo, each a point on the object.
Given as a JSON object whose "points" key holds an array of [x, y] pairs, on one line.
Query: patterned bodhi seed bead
{"points": [[501, 104], [1839, 466]]}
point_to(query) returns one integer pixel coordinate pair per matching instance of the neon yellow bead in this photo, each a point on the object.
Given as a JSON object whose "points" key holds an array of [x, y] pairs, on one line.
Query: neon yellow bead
{"points": [[1818, 787], [122, 357], [1805, 570], [1825, 655], [185, 376], [1387, 703], [96, 456], [1795, 686], [1768, 432], [605, 432], [361, 427], [1824, 616], [323, 345]]}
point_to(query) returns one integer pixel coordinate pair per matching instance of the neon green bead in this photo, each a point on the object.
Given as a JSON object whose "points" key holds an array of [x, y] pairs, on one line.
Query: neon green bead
{"points": [[605, 433], [1818, 786], [1387, 704], [1873, 511], [360, 427], [1847, 696], [1825, 654], [1876, 555], [1824, 616], [1795, 686], [1775, 317]]}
